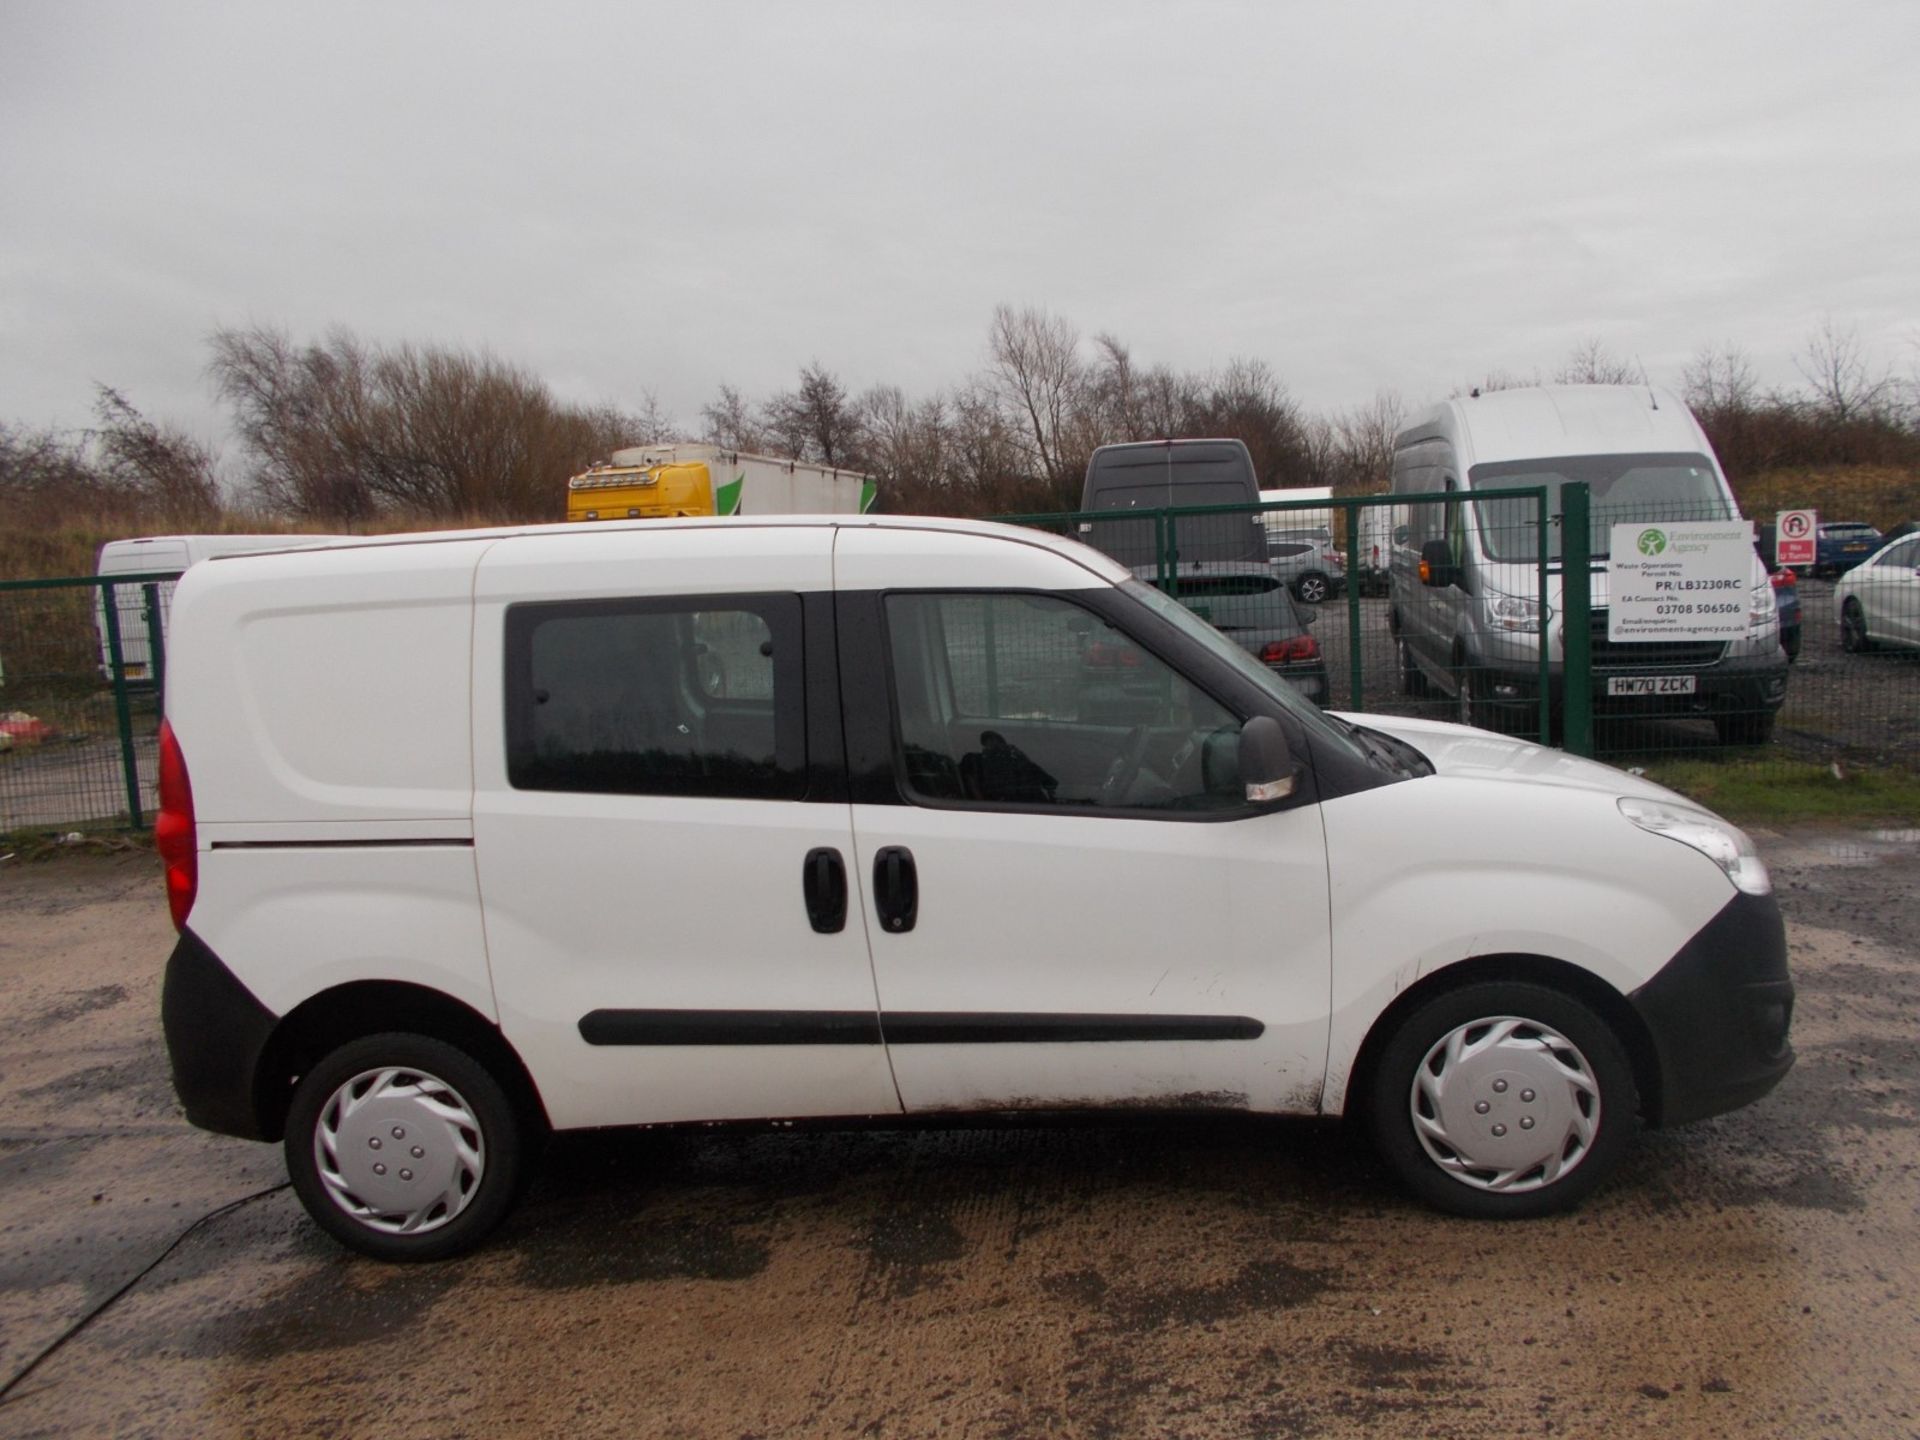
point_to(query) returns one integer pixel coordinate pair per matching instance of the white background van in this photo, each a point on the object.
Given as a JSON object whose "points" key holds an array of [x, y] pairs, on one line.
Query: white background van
{"points": [[162, 555], [1470, 627], [476, 836]]}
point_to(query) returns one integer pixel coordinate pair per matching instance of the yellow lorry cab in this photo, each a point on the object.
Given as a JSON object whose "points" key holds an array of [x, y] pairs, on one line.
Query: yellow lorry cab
{"points": [[652, 482]]}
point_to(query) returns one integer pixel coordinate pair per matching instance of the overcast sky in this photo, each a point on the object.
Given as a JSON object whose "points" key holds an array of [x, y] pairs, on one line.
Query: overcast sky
{"points": [[635, 197]]}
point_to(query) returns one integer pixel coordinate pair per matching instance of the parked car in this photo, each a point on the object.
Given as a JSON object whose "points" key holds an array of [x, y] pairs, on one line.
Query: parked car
{"points": [[467, 842], [1839, 545], [1252, 607], [1308, 562], [1786, 592], [1879, 602]]}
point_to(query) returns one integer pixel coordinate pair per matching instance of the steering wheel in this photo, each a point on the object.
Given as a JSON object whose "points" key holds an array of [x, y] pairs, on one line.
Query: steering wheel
{"points": [[1125, 768]]}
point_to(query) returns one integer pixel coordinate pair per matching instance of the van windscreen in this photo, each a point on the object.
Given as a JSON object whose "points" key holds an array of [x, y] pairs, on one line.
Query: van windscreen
{"points": [[1626, 489]]}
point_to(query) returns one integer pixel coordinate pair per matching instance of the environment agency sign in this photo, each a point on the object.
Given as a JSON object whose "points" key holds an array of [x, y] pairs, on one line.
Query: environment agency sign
{"points": [[1679, 580]]}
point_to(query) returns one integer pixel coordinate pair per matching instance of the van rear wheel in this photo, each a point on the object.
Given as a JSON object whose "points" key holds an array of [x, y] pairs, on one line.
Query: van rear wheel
{"points": [[403, 1147], [1503, 1100]]}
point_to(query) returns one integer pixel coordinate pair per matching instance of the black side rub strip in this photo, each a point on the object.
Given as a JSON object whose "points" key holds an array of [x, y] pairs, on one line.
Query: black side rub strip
{"points": [[730, 1027], [931, 1027]]}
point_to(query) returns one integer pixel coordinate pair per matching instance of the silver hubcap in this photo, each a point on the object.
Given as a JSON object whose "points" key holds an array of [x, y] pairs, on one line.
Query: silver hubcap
{"points": [[399, 1150], [1505, 1104]]}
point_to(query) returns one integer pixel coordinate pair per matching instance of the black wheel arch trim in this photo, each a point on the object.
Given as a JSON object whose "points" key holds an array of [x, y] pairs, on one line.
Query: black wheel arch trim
{"points": [[235, 1062]]}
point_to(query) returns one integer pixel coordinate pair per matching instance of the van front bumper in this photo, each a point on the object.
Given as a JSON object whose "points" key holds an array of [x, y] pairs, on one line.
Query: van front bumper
{"points": [[216, 1033], [1735, 685], [1718, 1014]]}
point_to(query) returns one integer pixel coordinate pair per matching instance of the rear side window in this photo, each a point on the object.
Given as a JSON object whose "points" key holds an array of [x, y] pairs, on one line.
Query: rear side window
{"points": [[658, 697]]}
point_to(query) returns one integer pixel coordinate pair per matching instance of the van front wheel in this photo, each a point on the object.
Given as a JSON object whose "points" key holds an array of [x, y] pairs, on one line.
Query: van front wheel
{"points": [[403, 1147], [1502, 1100]]}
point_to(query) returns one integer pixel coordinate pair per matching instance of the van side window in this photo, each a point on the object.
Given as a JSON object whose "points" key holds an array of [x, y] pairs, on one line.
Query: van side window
{"points": [[1030, 700], [657, 697]]}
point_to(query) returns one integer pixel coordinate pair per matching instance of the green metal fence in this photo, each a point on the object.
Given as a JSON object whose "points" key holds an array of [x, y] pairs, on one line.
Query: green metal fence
{"points": [[1331, 594], [1494, 608], [82, 672]]}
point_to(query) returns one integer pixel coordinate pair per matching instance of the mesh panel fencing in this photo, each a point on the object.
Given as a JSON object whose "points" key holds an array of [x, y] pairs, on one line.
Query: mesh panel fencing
{"points": [[82, 668]]}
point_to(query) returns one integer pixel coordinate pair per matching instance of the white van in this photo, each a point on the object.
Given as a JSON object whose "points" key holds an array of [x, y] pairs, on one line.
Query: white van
{"points": [[166, 555], [1467, 622], [478, 835]]}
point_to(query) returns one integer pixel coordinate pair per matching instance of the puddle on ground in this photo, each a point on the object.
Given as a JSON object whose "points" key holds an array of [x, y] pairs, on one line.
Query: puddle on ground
{"points": [[1868, 848]]}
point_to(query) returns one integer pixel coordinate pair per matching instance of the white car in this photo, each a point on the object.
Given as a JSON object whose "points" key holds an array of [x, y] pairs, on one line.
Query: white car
{"points": [[475, 836], [1879, 599]]}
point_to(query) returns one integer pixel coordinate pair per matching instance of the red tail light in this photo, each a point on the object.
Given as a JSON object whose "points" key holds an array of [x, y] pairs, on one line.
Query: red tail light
{"points": [[1281, 652], [1783, 580], [173, 833]]}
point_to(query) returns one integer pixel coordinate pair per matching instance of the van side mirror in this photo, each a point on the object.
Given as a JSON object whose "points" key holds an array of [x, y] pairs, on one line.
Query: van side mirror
{"points": [[1266, 763], [1436, 565]]}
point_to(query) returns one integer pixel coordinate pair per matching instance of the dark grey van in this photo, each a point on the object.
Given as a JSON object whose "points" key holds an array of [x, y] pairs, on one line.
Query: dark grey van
{"points": [[1162, 474]]}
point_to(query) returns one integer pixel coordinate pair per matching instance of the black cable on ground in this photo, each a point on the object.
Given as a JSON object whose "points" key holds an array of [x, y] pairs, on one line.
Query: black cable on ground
{"points": [[97, 1311]]}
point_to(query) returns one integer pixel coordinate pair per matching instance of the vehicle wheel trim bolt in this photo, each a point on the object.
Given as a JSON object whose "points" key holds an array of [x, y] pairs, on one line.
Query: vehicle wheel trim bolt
{"points": [[418, 1153], [379, 1169], [1482, 1108]]}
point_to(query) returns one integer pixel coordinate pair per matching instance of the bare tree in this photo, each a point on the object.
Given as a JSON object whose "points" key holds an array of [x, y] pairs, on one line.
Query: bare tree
{"points": [[1037, 375], [343, 431], [1364, 437], [816, 421], [1591, 363], [1844, 386], [1247, 402], [1720, 382], [729, 423], [906, 448], [163, 465]]}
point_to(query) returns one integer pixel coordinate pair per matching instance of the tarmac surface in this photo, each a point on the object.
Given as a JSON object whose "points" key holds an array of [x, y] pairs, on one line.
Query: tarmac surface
{"points": [[1756, 1275]]}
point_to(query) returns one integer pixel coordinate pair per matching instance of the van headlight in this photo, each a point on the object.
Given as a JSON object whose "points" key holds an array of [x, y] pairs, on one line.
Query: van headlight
{"points": [[1726, 845], [1516, 612], [1763, 612]]}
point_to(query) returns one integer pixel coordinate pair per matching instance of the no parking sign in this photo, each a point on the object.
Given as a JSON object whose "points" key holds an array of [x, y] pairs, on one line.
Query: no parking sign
{"points": [[1794, 532]]}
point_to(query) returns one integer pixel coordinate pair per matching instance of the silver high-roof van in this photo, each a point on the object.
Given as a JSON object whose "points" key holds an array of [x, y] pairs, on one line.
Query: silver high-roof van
{"points": [[1467, 623]]}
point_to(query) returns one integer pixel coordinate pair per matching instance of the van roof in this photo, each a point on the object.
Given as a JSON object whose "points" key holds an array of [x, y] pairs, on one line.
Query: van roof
{"points": [[1542, 420], [1082, 555]]}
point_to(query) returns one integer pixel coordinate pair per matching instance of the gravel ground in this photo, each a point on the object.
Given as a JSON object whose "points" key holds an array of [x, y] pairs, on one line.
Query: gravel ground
{"points": [[1754, 1276]]}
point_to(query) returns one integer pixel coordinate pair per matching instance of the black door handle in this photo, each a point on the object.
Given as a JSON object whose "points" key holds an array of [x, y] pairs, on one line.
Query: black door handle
{"points": [[823, 880], [896, 889]]}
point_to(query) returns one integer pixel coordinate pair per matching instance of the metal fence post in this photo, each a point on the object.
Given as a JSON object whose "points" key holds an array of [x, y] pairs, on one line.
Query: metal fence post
{"points": [[122, 710], [1576, 624], [157, 644], [1541, 520], [1356, 677]]}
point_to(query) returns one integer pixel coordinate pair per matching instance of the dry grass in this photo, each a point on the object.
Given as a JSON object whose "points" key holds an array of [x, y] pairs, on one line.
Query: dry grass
{"points": [[1880, 495], [71, 545]]}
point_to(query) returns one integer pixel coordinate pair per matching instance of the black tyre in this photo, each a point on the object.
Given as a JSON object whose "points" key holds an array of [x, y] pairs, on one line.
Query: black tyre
{"points": [[1853, 629], [1745, 727], [1467, 706], [1503, 1100], [403, 1147], [1312, 587], [1412, 681]]}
